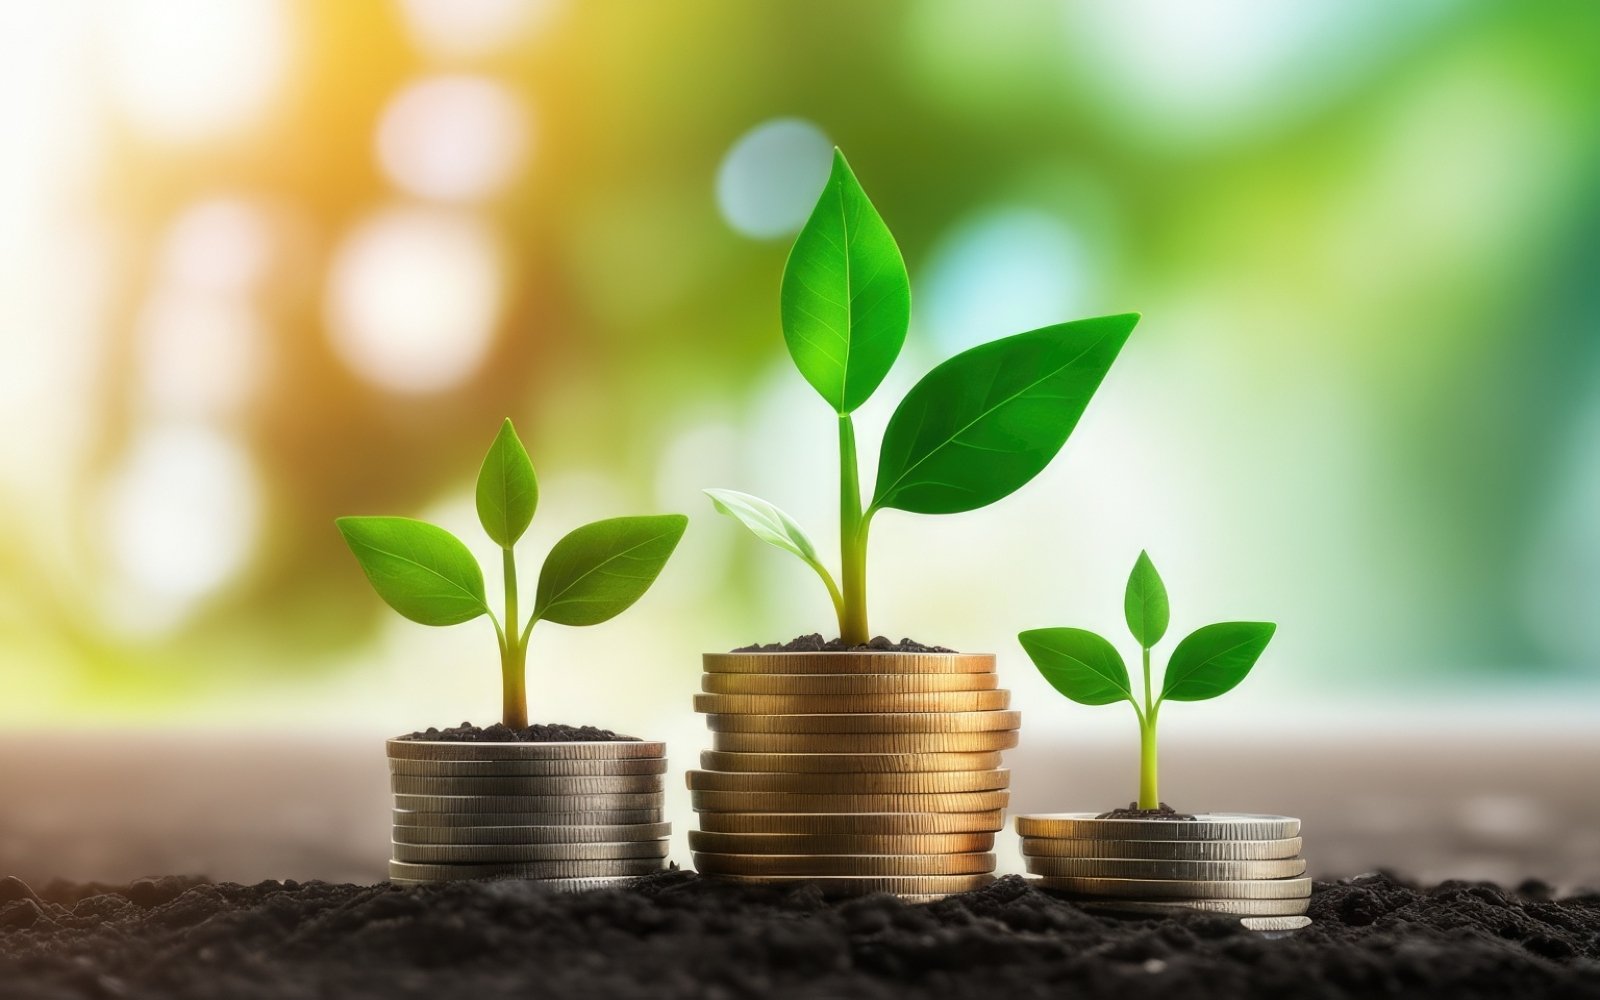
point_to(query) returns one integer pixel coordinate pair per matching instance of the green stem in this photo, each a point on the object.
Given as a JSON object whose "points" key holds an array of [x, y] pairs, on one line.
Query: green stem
{"points": [[513, 653], [1149, 793], [852, 540]]}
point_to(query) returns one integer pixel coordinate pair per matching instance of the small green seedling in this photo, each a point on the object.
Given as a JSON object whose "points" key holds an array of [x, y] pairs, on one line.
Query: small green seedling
{"points": [[1086, 668], [975, 429], [593, 574]]}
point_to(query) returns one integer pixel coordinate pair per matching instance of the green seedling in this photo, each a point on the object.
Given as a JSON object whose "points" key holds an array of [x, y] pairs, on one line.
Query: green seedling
{"points": [[1086, 668], [975, 429], [592, 575]]}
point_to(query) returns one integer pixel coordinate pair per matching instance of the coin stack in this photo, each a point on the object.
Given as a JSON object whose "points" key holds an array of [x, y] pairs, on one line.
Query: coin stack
{"points": [[860, 772], [577, 815], [1233, 863]]}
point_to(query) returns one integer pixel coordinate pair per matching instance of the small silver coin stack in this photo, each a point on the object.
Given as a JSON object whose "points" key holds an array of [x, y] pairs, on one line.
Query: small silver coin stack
{"points": [[577, 815], [1239, 864]]}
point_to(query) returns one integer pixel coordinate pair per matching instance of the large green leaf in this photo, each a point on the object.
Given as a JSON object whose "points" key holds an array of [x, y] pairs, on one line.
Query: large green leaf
{"points": [[1081, 665], [982, 424], [422, 570], [597, 571], [1214, 659], [508, 490], [1145, 603], [845, 300]]}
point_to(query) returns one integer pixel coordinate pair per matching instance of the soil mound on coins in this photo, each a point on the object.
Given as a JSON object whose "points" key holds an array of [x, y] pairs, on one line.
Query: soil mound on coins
{"points": [[1132, 811], [678, 935], [815, 643], [549, 732]]}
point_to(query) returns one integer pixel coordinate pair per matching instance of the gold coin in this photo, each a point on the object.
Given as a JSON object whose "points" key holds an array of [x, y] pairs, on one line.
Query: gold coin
{"points": [[845, 684], [847, 763], [478, 835], [755, 802], [865, 722], [528, 869], [847, 885], [849, 663], [1164, 888], [839, 843], [1205, 826], [527, 803], [919, 782], [853, 824], [852, 704], [1170, 850], [448, 854], [596, 750], [540, 785], [598, 817], [843, 864], [553, 884], [1146, 868], [843, 743], [1166, 907], [529, 768]]}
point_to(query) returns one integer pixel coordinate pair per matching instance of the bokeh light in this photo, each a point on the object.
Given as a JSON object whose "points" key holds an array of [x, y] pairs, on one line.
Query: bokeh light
{"points": [[770, 178], [453, 138]]}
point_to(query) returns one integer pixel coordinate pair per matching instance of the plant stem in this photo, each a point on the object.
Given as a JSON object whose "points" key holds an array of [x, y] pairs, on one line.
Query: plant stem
{"points": [[852, 540], [1149, 794], [513, 653]]}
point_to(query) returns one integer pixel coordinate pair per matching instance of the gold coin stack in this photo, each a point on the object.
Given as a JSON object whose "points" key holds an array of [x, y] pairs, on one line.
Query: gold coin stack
{"points": [[1241, 864], [861, 772], [576, 815]]}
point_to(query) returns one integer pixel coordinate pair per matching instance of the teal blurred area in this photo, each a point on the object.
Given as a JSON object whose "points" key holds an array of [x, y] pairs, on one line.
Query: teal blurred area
{"points": [[265, 263]]}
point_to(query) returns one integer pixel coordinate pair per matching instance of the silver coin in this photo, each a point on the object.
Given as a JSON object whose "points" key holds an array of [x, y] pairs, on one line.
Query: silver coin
{"points": [[451, 854], [1166, 850], [1167, 907], [596, 817], [1205, 826], [1168, 889], [1275, 924], [556, 884], [440, 750], [553, 835], [1139, 868], [527, 785], [527, 803], [529, 869], [531, 768]]}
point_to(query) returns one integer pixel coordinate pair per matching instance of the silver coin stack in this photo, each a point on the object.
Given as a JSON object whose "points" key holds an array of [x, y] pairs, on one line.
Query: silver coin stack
{"points": [[578, 815], [1231, 863]]}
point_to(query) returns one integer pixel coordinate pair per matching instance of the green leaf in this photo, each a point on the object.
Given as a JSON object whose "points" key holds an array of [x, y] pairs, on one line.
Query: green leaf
{"points": [[765, 521], [597, 571], [508, 491], [845, 300], [1145, 603], [1214, 659], [421, 570], [1081, 665], [982, 424]]}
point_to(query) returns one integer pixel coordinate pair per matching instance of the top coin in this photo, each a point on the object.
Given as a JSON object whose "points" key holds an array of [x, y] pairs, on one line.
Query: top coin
{"points": [[844, 704], [849, 663], [845, 684], [596, 750], [1205, 826]]}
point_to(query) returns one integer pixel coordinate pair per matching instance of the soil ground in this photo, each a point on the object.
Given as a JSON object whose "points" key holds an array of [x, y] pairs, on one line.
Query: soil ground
{"points": [[678, 935]]}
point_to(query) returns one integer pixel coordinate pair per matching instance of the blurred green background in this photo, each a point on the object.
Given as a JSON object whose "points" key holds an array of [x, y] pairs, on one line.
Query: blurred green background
{"points": [[263, 263]]}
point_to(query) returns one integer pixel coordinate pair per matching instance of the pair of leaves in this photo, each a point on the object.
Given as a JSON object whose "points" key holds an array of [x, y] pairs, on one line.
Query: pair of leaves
{"points": [[592, 574], [1208, 662]]}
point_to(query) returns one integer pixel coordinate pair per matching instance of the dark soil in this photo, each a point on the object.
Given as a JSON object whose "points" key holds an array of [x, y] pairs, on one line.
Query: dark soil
{"points": [[1132, 811], [815, 643], [552, 732], [677, 935]]}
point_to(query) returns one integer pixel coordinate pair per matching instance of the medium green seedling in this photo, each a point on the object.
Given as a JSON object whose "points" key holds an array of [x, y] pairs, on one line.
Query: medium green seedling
{"points": [[592, 575], [975, 429], [1208, 662]]}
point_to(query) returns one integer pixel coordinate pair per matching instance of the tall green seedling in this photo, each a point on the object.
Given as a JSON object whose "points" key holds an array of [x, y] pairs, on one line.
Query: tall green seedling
{"points": [[1086, 668], [592, 575], [975, 429]]}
